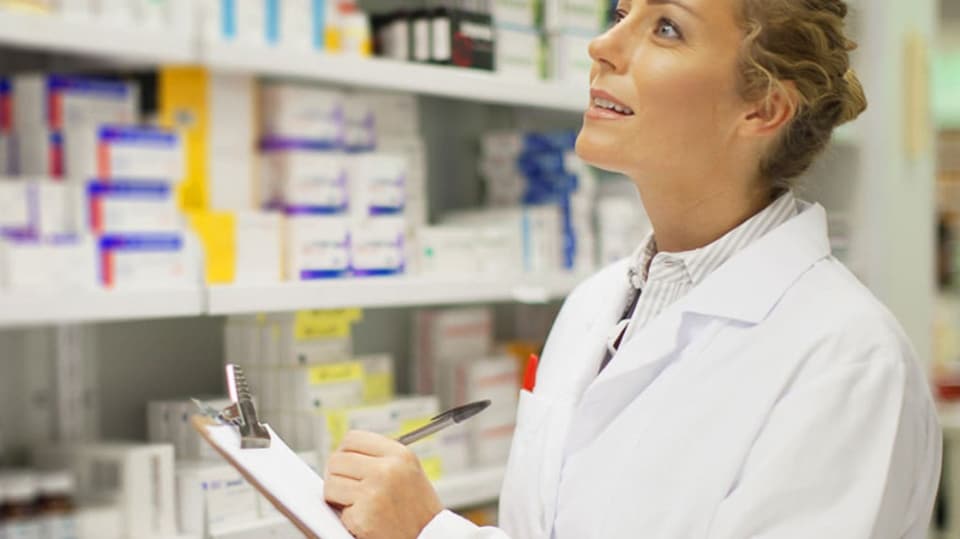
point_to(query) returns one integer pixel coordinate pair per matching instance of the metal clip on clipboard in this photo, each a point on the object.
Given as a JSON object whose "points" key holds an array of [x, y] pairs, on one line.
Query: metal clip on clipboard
{"points": [[242, 413]]}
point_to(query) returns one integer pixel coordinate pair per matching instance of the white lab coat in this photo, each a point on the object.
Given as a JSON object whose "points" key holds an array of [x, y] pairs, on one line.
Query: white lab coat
{"points": [[778, 399]]}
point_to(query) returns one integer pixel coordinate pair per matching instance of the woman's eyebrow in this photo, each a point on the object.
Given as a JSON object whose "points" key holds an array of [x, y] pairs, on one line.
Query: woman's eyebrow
{"points": [[682, 5]]}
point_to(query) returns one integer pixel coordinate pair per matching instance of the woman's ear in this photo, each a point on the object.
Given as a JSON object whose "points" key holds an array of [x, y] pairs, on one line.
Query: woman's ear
{"points": [[766, 117]]}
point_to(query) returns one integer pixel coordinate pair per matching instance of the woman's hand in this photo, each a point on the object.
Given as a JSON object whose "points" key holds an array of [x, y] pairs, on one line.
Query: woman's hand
{"points": [[381, 488]]}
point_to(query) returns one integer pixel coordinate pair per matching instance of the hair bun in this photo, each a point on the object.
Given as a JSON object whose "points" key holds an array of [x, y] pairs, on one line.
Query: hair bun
{"points": [[853, 97], [837, 7]]}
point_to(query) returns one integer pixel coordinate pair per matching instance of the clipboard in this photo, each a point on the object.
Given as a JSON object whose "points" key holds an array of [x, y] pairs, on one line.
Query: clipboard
{"points": [[269, 465]]}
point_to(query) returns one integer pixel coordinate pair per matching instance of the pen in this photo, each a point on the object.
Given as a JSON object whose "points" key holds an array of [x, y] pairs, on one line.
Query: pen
{"points": [[444, 420], [530, 374]]}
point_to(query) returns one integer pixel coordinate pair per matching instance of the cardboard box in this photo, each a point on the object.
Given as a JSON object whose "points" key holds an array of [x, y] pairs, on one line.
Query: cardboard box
{"points": [[58, 264], [213, 496], [147, 261], [300, 116], [124, 152], [304, 182], [318, 247], [123, 206], [445, 335], [78, 104], [378, 247]]}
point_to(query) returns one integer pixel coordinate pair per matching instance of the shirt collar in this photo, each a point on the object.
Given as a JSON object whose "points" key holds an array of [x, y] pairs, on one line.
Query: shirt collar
{"points": [[699, 263]]}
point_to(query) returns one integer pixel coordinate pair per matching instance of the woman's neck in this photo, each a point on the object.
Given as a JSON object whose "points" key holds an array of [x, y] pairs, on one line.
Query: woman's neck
{"points": [[686, 220]]}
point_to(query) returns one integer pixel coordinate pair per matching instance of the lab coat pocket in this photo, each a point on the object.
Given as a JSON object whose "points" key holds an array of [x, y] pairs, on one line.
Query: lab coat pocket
{"points": [[531, 412], [521, 510]]}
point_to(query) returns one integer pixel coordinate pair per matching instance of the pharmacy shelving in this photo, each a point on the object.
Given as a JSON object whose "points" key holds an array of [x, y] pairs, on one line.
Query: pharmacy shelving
{"points": [[93, 37], [375, 73], [23, 308], [27, 308], [458, 491], [386, 292]]}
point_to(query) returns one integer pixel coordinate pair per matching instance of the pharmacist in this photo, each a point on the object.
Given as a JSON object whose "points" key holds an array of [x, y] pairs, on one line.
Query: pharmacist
{"points": [[731, 379]]}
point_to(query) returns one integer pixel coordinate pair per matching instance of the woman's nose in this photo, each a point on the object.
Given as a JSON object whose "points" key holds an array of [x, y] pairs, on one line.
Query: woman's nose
{"points": [[609, 48]]}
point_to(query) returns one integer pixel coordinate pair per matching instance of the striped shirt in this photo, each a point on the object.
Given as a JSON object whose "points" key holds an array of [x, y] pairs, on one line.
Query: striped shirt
{"points": [[664, 278]]}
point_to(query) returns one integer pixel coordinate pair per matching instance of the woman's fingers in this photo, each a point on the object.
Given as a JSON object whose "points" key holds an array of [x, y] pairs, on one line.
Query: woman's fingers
{"points": [[374, 445], [341, 491], [351, 465]]}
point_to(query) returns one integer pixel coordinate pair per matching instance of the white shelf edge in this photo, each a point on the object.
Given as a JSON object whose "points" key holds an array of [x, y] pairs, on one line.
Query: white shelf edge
{"points": [[23, 308], [96, 37], [378, 73], [385, 292], [472, 488]]}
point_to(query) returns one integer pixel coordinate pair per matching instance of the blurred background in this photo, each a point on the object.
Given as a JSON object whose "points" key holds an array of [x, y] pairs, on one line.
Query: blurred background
{"points": [[374, 208]]}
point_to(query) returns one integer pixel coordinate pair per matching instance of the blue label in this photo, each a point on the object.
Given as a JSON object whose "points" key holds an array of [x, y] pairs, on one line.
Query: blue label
{"points": [[319, 26], [280, 143], [106, 87], [4, 86], [310, 275], [124, 134], [130, 189], [385, 210], [141, 242], [228, 20], [378, 272], [314, 210], [272, 21]]}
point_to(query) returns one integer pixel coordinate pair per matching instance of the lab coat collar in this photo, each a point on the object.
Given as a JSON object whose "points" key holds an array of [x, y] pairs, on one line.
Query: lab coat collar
{"points": [[749, 284]]}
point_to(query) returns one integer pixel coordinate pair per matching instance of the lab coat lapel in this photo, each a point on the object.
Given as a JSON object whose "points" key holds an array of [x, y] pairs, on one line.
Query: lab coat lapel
{"points": [[744, 289]]}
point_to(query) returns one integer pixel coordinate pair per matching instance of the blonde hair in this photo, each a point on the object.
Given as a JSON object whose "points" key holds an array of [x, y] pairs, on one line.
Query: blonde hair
{"points": [[803, 42]]}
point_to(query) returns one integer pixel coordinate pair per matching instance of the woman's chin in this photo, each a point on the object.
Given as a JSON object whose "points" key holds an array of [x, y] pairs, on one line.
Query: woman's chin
{"points": [[598, 153]]}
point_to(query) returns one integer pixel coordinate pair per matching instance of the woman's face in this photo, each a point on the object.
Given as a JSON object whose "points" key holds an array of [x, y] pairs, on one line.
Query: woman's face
{"points": [[668, 71]]}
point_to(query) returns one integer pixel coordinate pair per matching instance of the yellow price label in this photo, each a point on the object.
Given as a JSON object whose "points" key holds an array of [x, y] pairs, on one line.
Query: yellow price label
{"points": [[432, 467], [332, 324], [335, 373], [336, 427], [378, 388]]}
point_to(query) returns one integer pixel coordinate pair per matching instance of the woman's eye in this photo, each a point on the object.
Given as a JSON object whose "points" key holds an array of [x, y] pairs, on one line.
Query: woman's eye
{"points": [[619, 15], [668, 29]]}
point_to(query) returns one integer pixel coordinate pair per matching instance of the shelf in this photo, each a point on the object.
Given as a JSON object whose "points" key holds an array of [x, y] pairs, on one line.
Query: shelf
{"points": [[468, 489], [460, 491], [385, 292], [22, 308], [117, 41], [376, 73]]}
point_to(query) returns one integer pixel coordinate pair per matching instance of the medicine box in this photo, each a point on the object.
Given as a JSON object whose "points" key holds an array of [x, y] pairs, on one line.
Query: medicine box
{"points": [[378, 246], [47, 107], [586, 16], [517, 14], [125, 206], [147, 261], [359, 124], [259, 247], [378, 183], [137, 478], [568, 60], [7, 149], [391, 419], [236, 21], [519, 54], [444, 335], [300, 116], [211, 497], [305, 182], [124, 151], [318, 247], [493, 379], [57, 263], [329, 385]]}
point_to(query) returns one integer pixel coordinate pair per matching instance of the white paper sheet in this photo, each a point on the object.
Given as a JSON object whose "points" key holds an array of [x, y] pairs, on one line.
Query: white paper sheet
{"points": [[281, 473]]}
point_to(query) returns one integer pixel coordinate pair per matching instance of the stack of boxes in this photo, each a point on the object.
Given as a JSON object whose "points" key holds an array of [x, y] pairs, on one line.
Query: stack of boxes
{"points": [[520, 47], [166, 15], [293, 25], [569, 26], [345, 202], [539, 217]]}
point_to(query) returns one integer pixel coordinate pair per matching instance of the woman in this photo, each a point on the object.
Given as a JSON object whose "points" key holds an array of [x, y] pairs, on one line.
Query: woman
{"points": [[731, 379]]}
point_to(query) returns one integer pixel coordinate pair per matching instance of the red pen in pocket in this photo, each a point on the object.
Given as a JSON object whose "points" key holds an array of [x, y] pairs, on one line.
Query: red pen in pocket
{"points": [[530, 374]]}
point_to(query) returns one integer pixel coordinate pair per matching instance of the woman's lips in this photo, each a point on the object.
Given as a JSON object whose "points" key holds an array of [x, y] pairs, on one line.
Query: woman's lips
{"points": [[604, 106]]}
